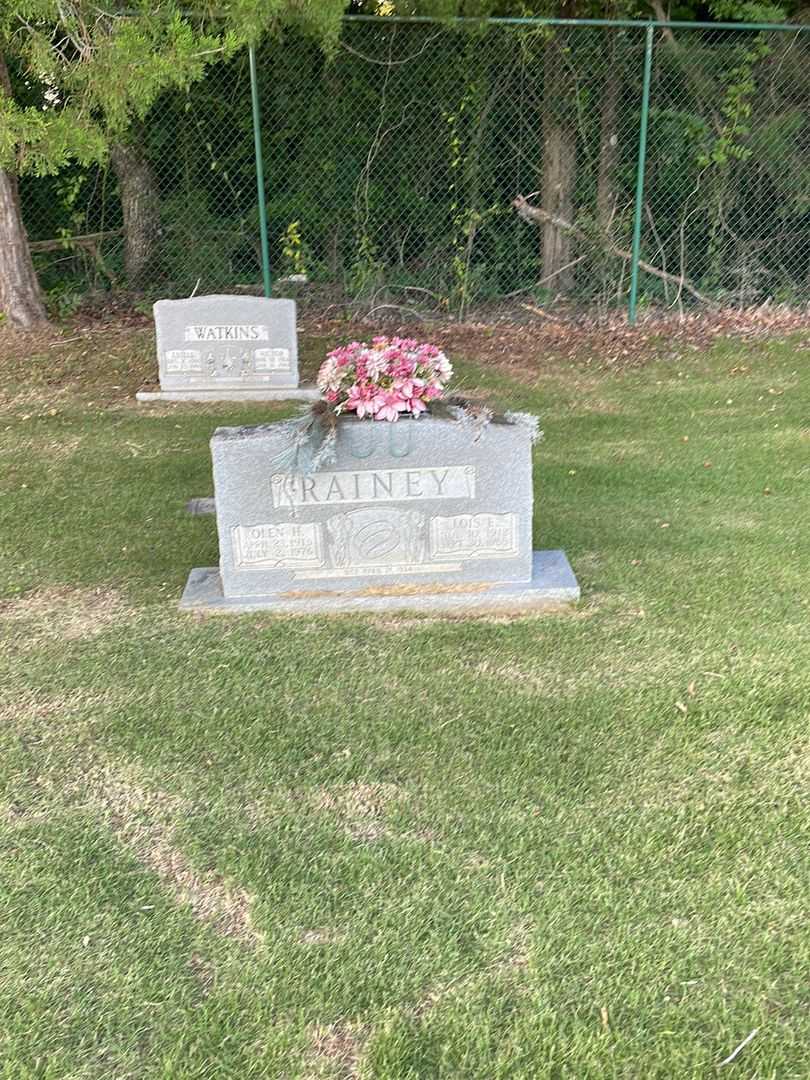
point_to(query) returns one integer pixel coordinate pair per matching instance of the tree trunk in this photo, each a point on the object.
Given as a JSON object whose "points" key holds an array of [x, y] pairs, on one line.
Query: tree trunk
{"points": [[608, 139], [20, 294], [559, 164], [141, 207]]}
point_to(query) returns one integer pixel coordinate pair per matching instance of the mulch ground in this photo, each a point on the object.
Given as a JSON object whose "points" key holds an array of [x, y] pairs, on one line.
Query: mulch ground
{"points": [[535, 343]]}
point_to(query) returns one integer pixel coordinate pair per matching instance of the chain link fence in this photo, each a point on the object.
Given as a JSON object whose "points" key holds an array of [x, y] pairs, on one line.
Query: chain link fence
{"points": [[393, 172]]}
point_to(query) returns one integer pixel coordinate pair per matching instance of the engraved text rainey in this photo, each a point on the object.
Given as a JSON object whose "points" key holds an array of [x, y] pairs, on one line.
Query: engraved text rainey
{"points": [[373, 485]]}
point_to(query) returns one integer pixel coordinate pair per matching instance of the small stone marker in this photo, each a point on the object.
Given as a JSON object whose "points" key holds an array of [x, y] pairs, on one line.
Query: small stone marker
{"points": [[200, 507], [426, 514], [226, 348]]}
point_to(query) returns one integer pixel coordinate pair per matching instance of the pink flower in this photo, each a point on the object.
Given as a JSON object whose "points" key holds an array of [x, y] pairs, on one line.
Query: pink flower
{"points": [[381, 380], [402, 368], [408, 387], [363, 399], [390, 404]]}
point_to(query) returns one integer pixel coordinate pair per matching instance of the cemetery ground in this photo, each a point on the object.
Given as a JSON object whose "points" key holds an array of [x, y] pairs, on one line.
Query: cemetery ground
{"points": [[571, 844]]}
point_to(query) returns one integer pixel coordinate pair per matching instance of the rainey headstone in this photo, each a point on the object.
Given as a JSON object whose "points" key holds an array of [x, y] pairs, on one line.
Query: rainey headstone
{"points": [[226, 348], [426, 514]]}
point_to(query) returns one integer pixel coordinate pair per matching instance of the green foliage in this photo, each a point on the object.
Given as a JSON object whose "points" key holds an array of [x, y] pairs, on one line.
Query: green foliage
{"points": [[318, 19], [400, 176], [201, 243], [37, 142], [101, 71], [63, 300], [292, 250]]}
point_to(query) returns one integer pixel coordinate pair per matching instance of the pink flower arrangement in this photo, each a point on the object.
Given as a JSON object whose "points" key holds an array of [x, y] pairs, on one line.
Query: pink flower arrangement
{"points": [[383, 380]]}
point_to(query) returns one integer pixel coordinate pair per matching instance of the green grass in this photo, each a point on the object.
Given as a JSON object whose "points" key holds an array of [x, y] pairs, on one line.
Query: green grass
{"points": [[563, 846]]}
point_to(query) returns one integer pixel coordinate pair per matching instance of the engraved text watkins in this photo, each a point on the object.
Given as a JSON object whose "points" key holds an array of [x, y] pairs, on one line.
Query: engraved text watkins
{"points": [[226, 333], [373, 485]]}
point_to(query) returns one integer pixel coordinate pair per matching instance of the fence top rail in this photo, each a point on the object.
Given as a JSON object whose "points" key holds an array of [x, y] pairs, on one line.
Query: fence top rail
{"points": [[537, 20], [515, 20]]}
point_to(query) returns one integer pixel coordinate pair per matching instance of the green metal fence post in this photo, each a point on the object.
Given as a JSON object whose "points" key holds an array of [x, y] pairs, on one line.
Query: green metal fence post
{"points": [[642, 156], [257, 143]]}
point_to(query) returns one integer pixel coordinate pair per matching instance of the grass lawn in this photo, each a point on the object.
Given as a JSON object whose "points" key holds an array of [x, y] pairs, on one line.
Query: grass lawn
{"points": [[572, 845]]}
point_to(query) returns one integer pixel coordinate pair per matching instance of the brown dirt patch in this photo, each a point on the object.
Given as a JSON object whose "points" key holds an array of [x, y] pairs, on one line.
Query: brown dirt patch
{"points": [[37, 399], [102, 357], [106, 357]]}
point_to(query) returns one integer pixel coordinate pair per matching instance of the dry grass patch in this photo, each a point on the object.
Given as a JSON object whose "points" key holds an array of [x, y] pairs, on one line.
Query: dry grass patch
{"points": [[35, 399], [737, 521], [597, 406], [616, 670], [30, 710], [143, 821], [632, 448], [336, 1050], [204, 973], [395, 624], [62, 612], [512, 961], [55, 450], [322, 936], [360, 807]]}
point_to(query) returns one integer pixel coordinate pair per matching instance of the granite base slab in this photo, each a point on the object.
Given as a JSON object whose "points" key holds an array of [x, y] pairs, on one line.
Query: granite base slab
{"points": [[553, 584], [294, 393], [201, 506]]}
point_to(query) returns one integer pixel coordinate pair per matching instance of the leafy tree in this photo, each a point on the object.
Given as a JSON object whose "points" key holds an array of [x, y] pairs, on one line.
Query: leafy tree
{"points": [[99, 74], [556, 53]]}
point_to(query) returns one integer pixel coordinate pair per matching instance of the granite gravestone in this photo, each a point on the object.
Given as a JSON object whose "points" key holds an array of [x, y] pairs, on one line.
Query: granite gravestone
{"points": [[426, 513], [226, 348]]}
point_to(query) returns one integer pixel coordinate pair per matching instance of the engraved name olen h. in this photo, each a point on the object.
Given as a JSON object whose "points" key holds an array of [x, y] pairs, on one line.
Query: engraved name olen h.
{"points": [[373, 485]]}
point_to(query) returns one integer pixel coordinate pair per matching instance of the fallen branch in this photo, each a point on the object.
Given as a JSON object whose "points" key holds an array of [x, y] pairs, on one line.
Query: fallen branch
{"points": [[535, 310], [396, 307], [88, 240], [537, 215]]}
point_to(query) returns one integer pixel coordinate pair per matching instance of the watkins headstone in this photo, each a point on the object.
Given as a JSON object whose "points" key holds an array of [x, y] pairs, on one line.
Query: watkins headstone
{"points": [[226, 348], [427, 514]]}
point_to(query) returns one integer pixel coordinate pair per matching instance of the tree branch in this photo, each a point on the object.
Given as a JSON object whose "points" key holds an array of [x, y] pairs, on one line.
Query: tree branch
{"points": [[537, 216]]}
